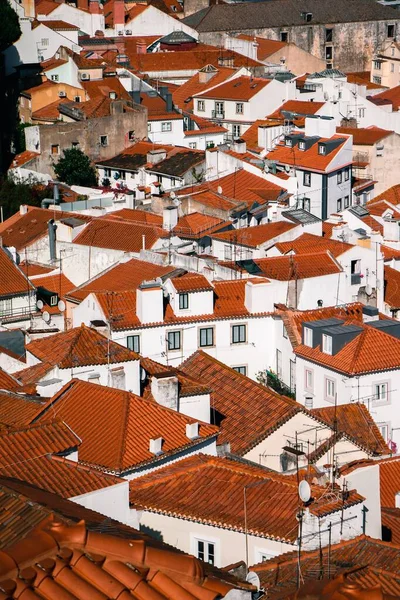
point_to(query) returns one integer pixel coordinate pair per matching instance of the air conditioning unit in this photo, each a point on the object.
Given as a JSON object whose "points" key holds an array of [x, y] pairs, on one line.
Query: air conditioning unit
{"points": [[128, 32], [62, 94], [120, 33], [85, 76]]}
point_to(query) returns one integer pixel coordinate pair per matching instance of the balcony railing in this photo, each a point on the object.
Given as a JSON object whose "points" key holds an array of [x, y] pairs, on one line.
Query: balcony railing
{"points": [[218, 114], [16, 314]]}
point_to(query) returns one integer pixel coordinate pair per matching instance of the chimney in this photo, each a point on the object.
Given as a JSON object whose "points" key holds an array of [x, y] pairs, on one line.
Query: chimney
{"points": [[94, 7], [119, 14], [155, 446], [258, 295], [239, 146], [141, 47], [320, 126], [205, 76], [82, 4], [170, 217], [165, 389], [370, 313], [116, 107], [52, 227], [23, 209], [192, 431], [156, 156], [150, 302]]}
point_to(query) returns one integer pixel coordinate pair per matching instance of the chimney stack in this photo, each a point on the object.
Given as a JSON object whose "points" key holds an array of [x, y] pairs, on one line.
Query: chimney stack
{"points": [[165, 389], [119, 14]]}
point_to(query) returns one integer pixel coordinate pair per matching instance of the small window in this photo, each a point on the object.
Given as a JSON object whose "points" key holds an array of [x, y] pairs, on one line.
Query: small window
{"points": [[54, 77], [227, 252], [122, 175], [284, 331], [112, 95], [77, 99], [321, 149], [380, 393], [309, 380], [305, 204], [328, 53], [238, 334], [205, 551], [330, 389], [328, 35], [45, 41], [174, 340], [339, 205], [75, 144], [209, 145], [377, 65], [148, 127], [347, 174], [339, 177], [355, 267], [55, 149], [346, 201], [107, 172], [53, 300], [307, 179], [200, 105], [392, 67], [379, 149], [166, 126], [390, 31], [279, 364], [239, 108], [104, 140], [361, 111], [193, 145], [242, 370], [288, 142], [133, 343], [184, 301], [131, 135], [284, 36], [326, 343], [377, 80], [302, 145], [206, 338], [384, 429], [308, 337], [236, 131], [392, 51]]}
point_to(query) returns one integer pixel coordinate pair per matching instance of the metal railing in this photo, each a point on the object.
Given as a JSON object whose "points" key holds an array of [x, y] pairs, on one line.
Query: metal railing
{"points": [[218, 114]]}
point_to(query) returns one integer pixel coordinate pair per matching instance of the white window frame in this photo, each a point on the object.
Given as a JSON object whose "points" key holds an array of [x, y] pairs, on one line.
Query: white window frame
{"points": [[242, 369], [381, 393], [239, 108], [309, 379], [321, 149], [201, 107], [194, 539], [307, 178], [308, 337], [327, 343], [166, 126], [227, 252], [385, 425], [236, 130], [279, 369], [193, 145], [329, 386]]}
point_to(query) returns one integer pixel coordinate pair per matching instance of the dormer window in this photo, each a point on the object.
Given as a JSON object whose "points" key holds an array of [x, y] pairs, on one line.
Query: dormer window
{"points": [[321, 149], [326, 343], [288, 142], [302, 145], [308, 337], [183, 301]]}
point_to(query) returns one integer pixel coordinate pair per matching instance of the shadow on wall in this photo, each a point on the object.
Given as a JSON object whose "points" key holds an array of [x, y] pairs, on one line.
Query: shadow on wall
{"points": [[157, 535]]}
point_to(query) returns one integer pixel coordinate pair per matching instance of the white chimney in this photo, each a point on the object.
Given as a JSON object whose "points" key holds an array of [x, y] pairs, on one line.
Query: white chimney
{"points": [[155, 446], [170, 217], [150, 302], [239, 146], [23, 209], [165, 389], [311, 127], [258, 295], [370, 313], [327, 127], [156, 156], [192, 431]]}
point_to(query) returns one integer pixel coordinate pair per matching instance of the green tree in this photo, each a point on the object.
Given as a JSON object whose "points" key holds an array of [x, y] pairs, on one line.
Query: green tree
{"points": [[9, 26], [74, 168], [14, 193]]}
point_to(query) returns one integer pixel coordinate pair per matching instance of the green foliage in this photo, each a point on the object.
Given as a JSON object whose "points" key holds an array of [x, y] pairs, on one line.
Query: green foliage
{"points": [[74, 168], [13, 194], [20, 145], [9, 25]]}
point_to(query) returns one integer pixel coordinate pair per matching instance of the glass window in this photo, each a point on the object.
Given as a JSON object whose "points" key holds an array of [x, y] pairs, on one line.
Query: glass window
{"points": [[284, 331], [241, 370], [339, 177], [284, 36], [377, 80], [238, 334], [107, 172], [339, 205], [193, 145], [309, 380], [227, 252], [54, 77], [174, 340], [104, 140], [183, 301], [379, 149], [279, 364], [55, 149], [206, 551], [346, 201], [6, 306], [321, 149], [390, 31], [381, 393], [302, 145], [326, 343], [53, 300], [133, 342], [239, 108], [308, 337], [306, 179], [77, 98], [236, 131], [328, 35], [148, 127], [347, 174], [330, 389], [166, 126], [392, 67], [200, 105], [206, 337]]}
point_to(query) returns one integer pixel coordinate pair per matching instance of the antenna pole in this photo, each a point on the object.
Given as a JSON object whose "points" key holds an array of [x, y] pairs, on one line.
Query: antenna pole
{"points": [[300, 514], [329, 549]]}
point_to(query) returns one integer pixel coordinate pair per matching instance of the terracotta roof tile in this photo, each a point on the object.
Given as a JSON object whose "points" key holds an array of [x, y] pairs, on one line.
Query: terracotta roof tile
{"points": [[17, 409], [378, 207], [254, 237], [188, 488], [23, 158], [59, 25], [188, 386], [103, 87], [392, 195], [118, 235], [197, 224], [264, 47], [13, 282], [309, 159], [250, 136], [391, 520], [81, 346], [391, 96], [389, 475], [365, 136], [30, 269], [356, 422], [392, 287], [363, 78], [116, 426], [301, 107], [138, 216], [191, 282], [390, 253], [57, 283], [34, 374], [183, 95], [7, 381], [241, 88], [212, 199], [307, 243], [243, 424]]}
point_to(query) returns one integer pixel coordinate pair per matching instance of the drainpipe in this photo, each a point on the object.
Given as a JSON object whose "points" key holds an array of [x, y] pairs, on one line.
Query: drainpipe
{"points": [[51, 226]]}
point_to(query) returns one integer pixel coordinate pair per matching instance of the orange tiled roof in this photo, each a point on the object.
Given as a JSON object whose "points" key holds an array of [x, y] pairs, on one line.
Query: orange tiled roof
{"points": [[118, 235], [309, 159], [307, 243], [390, 96], [363, 78], [356, 422], [50, 112], [58, 283], [23, 158], [7, 381], [103, 87], [389, 476], [59, 25], [369, 352], [392, 287], [373, 223], [390, 253], [241, 88], [13, 282], [17, 409], [191, 282], [265, 47], [188, 386], [116, 426], [137, 216], [391, 520], [30, 269], [52, 63], [365, 136], [81, 346], [183, 95], [34, 374], [243, 424], [255, 236], [196, 224], [250, 136], [187, 489], [301, 107], [392, 195], [79, 561], [378, 207]]}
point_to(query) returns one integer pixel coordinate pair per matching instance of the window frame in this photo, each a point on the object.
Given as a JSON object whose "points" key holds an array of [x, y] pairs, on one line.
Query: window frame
{"points": [[183, 300], [132, 346], [278, 360], [57, 152], [174, 332], [327, 397], [307, 387], [103, 140], [339, 177], [347, 174], [381, 401], [207, 330], [166, 126], [239, 104], [238, 327], [236, 127], [242, 369], [327, 343], [307, 178], [201, 103], [307, 331], [206, 550]]}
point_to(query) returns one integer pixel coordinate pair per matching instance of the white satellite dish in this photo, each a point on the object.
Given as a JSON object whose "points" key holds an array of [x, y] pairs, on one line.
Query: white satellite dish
{"points": [[39, 304], [61, 305], [172, 195], [368, 289], [219, 190], [46, 317], [287, 168], [253, 579], [143, 374], [304, 491], [266, 169]]}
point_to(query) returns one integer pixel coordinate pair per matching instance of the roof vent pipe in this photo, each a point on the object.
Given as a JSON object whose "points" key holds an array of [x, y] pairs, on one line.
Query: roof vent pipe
{"points": [[52, 238]]}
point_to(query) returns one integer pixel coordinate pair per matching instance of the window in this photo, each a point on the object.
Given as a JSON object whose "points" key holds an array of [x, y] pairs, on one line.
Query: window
{"points": [[227, 252], [392, 51], [107, 172], [166, 126], [279, 364], [77, 99], [236, 131], [304, 203], [307, 179], [45, 41], [390, 31], [133, 342], [210, 145], [328, 35], [131, 135], [55, 149], [238, 334], [377, 65], [219, 109], [381, 394], [53, 300], [193, 145], [361, 111], [379, 149], [339, 205], [328, 53], [377, 80], [242, 370], [355, 267], [284, 36], [206, 338], [200, 105], [54, 77], [384, 429], [346, 201], [347, 174], [292, 374], [392, 67], [112, 95], [122, 175], [288, 142], [321, 149], [302, 145], [239, 108], [184, 301], [148, 127], [284, 331], [330, 389], [174, 340], [308, 337], [104, 140], [326, 343], [6, 306], [339, 177], [205, 551], [309, 380]]}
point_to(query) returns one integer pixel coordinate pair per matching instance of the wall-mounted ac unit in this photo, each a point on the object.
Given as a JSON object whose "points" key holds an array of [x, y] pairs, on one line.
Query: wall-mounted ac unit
{"points": [[85, 76], [120, 33], [62, 94], [128, 32]]}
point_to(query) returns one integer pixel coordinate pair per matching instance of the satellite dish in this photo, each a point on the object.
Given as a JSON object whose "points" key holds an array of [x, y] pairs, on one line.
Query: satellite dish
{"points": [[143, 374], [219, 189], [39, 304], [172, 195], [287, 168], [253, 579], [46, 317], [368, 289], [304, 491], [61, 305], [266, 169]]}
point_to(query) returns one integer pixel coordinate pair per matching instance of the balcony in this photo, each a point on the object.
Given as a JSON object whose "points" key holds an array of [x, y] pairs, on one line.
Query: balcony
{"points": [[356, 278], [218, 114]]}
